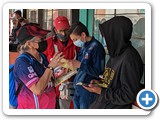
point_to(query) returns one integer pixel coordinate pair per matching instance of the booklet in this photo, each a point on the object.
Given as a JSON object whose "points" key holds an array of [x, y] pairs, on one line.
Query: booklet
{"points": [[65, 77]]}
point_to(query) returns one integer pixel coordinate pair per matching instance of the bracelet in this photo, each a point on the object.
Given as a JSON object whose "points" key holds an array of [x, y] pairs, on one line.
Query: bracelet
{"points": [[51, 68]]}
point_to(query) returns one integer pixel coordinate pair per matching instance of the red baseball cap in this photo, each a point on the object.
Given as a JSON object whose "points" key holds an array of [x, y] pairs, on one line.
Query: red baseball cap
{"points": [[61, 23]]}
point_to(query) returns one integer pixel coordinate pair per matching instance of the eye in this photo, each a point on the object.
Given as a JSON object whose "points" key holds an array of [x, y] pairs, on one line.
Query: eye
{"points": [[75, 39]]}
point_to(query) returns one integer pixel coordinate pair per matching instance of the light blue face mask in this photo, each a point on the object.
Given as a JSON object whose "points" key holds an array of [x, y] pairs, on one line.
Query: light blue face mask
{"points": [[79, 43]]}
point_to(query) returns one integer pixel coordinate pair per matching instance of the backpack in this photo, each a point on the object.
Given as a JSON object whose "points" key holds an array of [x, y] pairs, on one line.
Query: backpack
{"points": [[13, 92]]}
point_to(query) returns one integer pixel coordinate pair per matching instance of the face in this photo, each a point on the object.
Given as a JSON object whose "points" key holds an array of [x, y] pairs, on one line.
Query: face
{"points": [[62, 31], [33, 43], [16, 15], [38, 43], [77, 37], [14, 21], [62, 35]]}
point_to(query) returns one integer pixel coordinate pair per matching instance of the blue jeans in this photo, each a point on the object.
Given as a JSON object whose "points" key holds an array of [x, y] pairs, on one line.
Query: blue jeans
{"points": [[83, 98]]}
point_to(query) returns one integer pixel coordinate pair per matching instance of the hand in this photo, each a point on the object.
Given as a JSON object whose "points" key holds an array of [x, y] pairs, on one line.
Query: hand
{"points": [[63, 72], [92, 88], [55, 61], [75, 63]]}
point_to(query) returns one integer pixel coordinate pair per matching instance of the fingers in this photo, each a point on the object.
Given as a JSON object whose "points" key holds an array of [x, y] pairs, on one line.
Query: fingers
{"points": [[55, 61], [54, 55], [57, 55], [91, 85], [93, 81], [60, 58], [87, 88], [96, 90], [70, 63]]}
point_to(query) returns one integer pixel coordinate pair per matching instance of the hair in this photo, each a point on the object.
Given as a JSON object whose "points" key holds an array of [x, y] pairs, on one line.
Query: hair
{"points": [[21, 19], [77, 28], [22, 48], [18, 12]]}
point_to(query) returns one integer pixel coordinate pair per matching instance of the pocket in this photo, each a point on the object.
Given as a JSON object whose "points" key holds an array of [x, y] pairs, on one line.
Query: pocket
{"points": [[66, 91]]}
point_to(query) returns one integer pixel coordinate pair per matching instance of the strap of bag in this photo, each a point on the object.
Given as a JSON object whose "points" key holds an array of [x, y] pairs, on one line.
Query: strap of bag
{"points": [[19, 88], [11, 69]]}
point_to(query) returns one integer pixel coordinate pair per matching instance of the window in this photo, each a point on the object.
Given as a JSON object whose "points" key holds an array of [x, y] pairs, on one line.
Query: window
{"points": [[100, 16], [137, 16], [45, 17], [49, 15], [32, 15]]}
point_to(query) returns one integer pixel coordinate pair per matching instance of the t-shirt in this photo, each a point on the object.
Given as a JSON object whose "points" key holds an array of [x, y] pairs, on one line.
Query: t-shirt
{"points": [[30, 73]]}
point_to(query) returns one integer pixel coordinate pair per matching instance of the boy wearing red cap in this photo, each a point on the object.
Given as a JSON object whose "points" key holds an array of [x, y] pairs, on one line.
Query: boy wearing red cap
{"points": [[61, 43]]}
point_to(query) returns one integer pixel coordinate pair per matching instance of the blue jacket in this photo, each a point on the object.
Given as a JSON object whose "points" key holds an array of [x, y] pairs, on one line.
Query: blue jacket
{"points": [[92, 58]]}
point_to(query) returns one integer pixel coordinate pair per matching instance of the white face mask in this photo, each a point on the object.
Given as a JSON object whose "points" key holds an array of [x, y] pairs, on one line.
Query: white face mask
{"points": [[79, 43]]}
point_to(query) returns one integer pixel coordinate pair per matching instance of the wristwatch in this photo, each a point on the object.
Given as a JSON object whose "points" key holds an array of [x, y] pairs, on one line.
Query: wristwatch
{"points": [[51, 68]]}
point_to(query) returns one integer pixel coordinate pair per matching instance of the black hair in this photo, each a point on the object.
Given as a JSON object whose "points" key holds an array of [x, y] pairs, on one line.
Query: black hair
{"points": [[77, 28], [21, 20], [18, 12]]}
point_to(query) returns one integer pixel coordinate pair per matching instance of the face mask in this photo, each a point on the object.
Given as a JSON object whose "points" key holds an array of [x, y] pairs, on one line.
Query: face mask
{"points": [[79, 43], [42, 46], [63, 38]]}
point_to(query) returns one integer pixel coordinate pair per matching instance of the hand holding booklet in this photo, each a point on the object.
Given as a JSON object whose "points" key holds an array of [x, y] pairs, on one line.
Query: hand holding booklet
{"points": [[58, 71], [65, 77]]}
